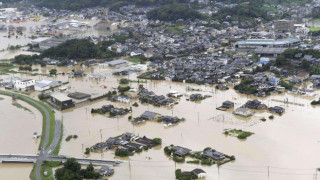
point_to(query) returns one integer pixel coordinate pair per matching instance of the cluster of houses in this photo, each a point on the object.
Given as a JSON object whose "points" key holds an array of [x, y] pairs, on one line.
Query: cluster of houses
{"points": [[255, 105], [194, 174], [149, 116], [198, 97], [146, 96], [127, 142], [113, 111], [207, 154]]}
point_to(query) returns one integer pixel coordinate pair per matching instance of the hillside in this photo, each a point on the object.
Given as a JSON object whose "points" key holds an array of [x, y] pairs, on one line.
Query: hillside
{"points": [[174, 12]]}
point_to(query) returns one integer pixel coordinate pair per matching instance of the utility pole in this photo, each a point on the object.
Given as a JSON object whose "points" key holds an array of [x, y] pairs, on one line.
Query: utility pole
{"points": [[223, 121], [82, 149], [268, 173], [218, 172], [129, 167], [198, 118], [118, 121], [101, 134]]}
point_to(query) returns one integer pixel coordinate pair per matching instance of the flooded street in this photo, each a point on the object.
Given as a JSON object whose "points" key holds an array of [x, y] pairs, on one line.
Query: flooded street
{"points": [[288, 144]]}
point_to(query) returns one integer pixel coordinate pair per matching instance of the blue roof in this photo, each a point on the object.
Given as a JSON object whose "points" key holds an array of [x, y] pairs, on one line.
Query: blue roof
{"points": [[274, 80], [264, 61]]}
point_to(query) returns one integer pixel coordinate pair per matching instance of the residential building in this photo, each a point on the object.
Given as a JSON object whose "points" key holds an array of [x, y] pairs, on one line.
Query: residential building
{"points": [[242, 112], [24, 85]]}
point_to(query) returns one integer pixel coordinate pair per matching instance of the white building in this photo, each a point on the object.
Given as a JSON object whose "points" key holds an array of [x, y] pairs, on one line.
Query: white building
{"points": [[43, 85], [123, 99], [24, 85], [46, 84], [199, 173], [242, 112]]}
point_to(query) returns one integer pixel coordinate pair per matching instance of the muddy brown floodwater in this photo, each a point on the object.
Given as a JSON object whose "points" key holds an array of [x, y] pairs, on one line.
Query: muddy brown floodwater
{"points": [[288, 145], [15, 171], [17, 127]]}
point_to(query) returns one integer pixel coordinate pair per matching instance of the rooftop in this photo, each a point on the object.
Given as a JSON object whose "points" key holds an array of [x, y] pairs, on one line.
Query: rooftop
{"points": [[117, 62], [60, 97]]}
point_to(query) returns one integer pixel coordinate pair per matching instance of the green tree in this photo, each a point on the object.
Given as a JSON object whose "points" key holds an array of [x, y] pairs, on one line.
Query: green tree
{"points": [[157, 141], [53, 72]]}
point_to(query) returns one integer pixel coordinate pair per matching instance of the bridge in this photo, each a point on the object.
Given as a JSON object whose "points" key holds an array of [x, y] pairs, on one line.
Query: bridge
{"points": [[33, 159]]}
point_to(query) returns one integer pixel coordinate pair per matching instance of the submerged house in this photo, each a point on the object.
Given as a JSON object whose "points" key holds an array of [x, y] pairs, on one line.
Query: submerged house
{"points": [[181, 151], [61, 101], [277, 109], [215, 155], [255, 104], [228, 104], [105, 171], [242, 112]]}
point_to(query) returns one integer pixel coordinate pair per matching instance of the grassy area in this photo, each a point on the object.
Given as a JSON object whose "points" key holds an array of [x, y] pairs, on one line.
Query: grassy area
{"points": [[238, 133], [33, 173], [47, 166], [21, 107], [314, 29], [145, 75], [6, 68], [134, 59], [57, 149], [175, 29], [138, 81]]}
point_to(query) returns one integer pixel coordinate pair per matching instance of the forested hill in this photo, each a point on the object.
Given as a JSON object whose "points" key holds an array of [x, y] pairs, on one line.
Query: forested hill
{"points": [[270, 2], [112, 4], [80, 4]]}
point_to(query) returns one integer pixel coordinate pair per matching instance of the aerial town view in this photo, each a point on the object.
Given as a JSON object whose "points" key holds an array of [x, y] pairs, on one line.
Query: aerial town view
{"points": [[160, 89]]}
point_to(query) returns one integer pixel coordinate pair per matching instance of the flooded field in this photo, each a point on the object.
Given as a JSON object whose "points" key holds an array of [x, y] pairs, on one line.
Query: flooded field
{"points": [[9, 171], [18, 123], [285, 148], [31, 25]]}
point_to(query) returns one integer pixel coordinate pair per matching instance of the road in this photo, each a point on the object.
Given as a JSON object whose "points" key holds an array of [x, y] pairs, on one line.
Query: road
{"points": [[33, 159], [44, 154]]}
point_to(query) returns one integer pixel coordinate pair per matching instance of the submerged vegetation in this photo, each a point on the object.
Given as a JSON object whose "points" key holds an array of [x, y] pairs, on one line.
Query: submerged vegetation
{"points": [[240, 134], [71, 136]]}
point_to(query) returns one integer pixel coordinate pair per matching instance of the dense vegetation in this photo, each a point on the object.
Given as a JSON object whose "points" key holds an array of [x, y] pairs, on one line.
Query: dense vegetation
{"points": [[286, 58], [245, 87], [174, 12], [180, 176], [238, 133], [81, 4], [244, 11], [72, 170], [79, 49], [271, 2], [75, 48]]}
